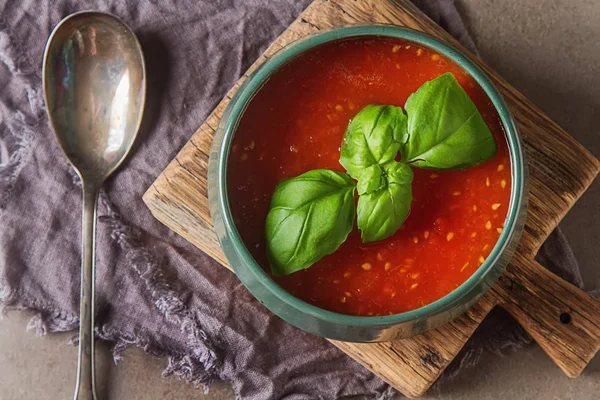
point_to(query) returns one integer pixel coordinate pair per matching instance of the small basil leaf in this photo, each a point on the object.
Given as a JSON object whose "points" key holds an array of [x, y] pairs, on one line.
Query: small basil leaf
{"points": [[371, 179], [382, 212], [373, 137], [445, 130], [309, 217]]}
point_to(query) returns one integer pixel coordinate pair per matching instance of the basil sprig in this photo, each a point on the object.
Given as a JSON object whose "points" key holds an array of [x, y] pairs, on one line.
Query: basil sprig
{"points": [[311, 215]]}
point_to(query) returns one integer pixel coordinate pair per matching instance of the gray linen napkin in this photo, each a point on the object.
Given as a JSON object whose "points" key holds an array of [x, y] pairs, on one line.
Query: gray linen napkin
{"points": [[155, 290]]}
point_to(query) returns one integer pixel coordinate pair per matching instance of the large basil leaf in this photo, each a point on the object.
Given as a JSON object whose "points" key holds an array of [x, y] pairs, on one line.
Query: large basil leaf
{"points": [[445, 130], [382, 212], [310, 216], [373, 137]]}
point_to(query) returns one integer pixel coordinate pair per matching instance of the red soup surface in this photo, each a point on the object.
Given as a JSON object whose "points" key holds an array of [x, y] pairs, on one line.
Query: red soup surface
{"points": [[296, 123]]}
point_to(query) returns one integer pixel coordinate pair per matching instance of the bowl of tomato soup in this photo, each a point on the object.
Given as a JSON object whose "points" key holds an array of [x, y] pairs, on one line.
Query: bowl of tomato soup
{"points": [[290, 117]]}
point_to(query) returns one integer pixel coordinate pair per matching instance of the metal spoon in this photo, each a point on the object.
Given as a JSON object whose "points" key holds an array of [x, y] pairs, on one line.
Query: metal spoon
{"points": [[94, 87]]}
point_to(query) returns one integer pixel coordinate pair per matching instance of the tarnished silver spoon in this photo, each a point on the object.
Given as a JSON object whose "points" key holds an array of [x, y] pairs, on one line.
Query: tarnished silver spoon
{"points": [[94, 87]]}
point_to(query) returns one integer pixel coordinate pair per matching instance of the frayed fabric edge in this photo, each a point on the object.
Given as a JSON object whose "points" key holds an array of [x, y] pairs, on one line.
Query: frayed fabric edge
{"points": [[41, 321], [183, 366], [186, 367], [200, 366]]}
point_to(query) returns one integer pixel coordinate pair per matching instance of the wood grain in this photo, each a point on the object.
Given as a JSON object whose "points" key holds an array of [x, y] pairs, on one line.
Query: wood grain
{"points": [[560, 171], [562, 319]]}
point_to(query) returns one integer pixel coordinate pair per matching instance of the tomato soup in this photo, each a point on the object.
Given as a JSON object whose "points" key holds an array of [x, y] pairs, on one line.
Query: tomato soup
{"points": [[296, 123]]}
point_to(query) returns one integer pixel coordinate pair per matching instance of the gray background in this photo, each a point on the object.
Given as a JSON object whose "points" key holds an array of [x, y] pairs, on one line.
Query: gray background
{"points": [[548, 49]]}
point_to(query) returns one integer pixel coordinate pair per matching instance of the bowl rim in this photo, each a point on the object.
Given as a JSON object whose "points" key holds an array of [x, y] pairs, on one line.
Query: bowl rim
{"points": [[260, 76]]}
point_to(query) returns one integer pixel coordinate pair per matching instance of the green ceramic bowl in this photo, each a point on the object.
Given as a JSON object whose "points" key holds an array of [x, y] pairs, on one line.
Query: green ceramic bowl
{"points": [[330, 324]]}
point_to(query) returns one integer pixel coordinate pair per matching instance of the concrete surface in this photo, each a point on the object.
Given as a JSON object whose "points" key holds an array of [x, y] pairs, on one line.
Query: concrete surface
{"points": [[550, 51]]}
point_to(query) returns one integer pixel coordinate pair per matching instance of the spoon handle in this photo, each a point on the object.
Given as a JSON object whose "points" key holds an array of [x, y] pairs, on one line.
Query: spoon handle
{"points": [[85, 389]]}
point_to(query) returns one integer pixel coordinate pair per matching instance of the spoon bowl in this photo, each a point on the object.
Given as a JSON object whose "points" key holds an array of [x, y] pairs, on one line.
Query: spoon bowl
{"points": [[94, 82], [94, 86]]}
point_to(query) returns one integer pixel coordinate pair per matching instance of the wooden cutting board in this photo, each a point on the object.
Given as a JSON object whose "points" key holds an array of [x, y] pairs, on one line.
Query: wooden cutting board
{"points": [[562, 319]]}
